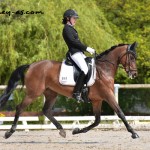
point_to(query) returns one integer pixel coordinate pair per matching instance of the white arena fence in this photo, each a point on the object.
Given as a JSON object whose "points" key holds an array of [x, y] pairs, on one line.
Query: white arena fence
{"points": [[70, 122]]}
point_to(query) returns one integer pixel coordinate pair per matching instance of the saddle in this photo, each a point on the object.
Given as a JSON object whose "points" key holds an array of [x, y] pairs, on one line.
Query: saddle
{"points": [[69, 72]]}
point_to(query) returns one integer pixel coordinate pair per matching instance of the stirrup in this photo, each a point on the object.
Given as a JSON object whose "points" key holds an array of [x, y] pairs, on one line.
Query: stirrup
{"points": [[78, 97]]}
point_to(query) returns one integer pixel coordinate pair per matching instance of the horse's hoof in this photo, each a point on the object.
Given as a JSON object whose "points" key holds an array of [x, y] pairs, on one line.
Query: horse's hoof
{"points": [[135, 135], [7, 134], [62, 133], [75, 131]]}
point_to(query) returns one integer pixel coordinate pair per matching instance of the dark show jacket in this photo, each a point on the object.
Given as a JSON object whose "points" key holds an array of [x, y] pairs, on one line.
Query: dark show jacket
{"points": [[71, 38]]}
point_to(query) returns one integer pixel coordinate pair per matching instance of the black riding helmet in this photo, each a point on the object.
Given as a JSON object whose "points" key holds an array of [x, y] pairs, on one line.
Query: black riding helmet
{"points": [[68, 14]]}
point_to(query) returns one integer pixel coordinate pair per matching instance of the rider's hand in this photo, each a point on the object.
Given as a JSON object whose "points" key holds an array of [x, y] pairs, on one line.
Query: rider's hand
{"points": [[90, 50]]}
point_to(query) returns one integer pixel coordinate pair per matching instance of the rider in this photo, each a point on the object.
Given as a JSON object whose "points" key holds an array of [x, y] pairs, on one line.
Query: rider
{"points": [[76, 49]]}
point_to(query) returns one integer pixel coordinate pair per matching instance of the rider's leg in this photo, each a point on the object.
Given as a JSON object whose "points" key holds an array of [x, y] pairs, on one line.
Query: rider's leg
{"points": [[78, 58], [78, 87]]}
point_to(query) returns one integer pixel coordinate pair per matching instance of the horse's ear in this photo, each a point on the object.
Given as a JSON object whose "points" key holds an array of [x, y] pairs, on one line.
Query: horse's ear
{"points": [[133, 46]]}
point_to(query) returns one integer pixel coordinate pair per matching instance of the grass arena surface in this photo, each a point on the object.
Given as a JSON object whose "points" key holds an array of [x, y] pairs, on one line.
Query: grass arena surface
{"points": [[94, 139]]}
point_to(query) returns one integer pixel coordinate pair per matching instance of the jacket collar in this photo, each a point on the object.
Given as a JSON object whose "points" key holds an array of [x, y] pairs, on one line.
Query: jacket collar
{"points": [[71, 26]]}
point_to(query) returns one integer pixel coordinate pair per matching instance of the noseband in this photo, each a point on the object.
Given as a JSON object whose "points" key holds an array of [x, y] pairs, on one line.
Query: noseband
{"points": [[128, 61]]}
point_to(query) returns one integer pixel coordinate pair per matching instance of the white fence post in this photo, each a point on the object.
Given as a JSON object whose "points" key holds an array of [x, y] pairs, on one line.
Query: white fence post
{"points": [[116, 91], [25, 125], [44, 99]]}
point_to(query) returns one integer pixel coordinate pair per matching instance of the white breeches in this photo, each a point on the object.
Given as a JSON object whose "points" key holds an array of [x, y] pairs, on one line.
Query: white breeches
{"points": [[79, 59]]}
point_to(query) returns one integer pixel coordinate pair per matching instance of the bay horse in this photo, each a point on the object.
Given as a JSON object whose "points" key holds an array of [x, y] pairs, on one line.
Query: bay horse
{"points": [[43, 78]]}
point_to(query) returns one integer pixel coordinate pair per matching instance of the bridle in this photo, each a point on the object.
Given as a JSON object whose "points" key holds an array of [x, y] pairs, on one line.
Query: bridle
{"points": [[127, 65]]}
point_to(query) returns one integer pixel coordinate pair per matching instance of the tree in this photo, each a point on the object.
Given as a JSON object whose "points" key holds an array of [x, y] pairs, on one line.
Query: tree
{"points": [[32, 37], [132, 19]]}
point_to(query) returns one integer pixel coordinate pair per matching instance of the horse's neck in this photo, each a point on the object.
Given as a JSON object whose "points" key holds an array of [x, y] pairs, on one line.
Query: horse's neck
{"points": [[108, 64]]}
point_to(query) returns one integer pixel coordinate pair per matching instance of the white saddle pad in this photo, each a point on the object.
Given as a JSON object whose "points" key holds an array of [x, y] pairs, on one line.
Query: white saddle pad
{"points": [[66, 76]]}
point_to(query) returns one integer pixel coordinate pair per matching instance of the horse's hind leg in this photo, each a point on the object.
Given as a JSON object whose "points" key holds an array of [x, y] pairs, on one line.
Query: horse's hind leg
{"points": [[47, 110], [27, 100]]}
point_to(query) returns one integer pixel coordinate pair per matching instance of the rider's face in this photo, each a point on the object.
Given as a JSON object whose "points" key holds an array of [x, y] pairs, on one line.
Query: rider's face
{"points": [[73, 20]]}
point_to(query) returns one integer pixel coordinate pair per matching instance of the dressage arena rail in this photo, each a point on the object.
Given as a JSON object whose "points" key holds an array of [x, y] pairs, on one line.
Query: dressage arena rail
{"points": [[70, 122]]}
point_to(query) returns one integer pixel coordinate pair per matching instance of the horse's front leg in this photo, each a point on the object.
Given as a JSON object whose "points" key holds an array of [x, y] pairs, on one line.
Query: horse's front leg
{"points": [[112, 102], [96, 110]]}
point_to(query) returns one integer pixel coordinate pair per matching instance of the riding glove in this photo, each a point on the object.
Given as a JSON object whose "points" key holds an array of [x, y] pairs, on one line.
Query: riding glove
{"points": [[90, 50]]}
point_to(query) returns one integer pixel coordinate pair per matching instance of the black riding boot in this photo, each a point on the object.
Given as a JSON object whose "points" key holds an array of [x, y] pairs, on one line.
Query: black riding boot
{"points": [[78, 87]]}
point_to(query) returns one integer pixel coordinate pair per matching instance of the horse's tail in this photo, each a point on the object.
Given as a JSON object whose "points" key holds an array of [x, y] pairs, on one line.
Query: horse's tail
{"points": [[16, 75]]}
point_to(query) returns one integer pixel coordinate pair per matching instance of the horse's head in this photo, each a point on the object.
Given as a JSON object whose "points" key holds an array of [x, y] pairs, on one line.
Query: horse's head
{"points": [[128, 60]]}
